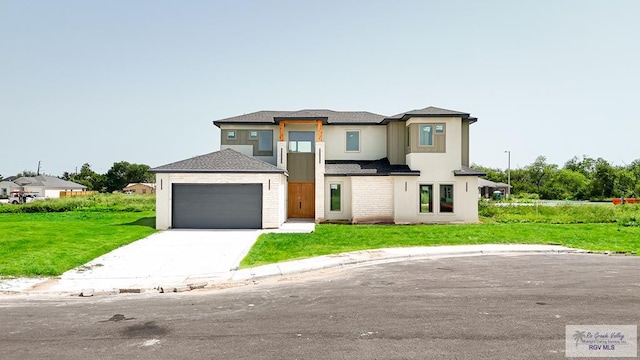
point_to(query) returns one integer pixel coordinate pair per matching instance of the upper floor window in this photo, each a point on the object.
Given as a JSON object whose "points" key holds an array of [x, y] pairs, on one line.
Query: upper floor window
{"points": [[301, 141], [253, 135], [231, 134], [426, 135], [353, 140], [265, 140]]}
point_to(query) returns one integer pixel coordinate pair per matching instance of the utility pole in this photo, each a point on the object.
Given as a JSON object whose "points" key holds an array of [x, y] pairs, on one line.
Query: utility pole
{"points": [[38, 172], [508, 172]]}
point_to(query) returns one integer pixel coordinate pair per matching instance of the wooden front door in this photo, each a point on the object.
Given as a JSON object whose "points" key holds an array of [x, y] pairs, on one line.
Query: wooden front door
{"points": [[302, 200]]}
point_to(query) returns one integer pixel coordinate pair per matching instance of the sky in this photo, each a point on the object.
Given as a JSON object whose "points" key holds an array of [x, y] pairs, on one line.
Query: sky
{"points": [[100, 82]]}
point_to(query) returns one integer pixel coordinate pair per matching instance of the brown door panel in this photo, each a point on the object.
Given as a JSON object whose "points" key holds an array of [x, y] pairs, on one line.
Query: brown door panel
{"points": [[301, 202]]}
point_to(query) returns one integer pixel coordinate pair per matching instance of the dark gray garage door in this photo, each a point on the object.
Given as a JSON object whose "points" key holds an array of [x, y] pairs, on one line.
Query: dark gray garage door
{"points": [[217, 206]]}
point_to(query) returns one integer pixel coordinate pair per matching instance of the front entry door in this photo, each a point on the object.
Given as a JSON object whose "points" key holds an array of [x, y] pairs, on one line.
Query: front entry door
{"points": [[302, 199]]}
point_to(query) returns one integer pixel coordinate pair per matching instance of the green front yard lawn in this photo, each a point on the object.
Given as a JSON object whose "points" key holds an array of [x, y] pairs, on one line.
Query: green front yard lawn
{"points": [[48, 244], [332, 239]]}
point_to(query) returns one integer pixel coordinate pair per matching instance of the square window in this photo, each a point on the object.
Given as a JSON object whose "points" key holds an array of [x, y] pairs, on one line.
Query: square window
{"points": [[426, 198], [335, 198], [446, 198], [231, 134], [426, 135], [353, 141], [253, 135], [440, 129]]}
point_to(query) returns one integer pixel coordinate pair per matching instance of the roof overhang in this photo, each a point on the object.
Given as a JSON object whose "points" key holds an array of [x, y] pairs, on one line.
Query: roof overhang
{"points": [[217, 171]]}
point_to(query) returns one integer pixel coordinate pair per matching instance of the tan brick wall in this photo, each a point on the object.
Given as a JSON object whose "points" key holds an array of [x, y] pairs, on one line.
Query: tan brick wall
{"points": [[372, 198]]}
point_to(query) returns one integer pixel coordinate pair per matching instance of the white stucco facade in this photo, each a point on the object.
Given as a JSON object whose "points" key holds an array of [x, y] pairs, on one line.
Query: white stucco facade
{"points": [[372, 138]]}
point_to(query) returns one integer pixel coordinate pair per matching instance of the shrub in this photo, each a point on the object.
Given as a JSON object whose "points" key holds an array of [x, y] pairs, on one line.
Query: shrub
{"points": [[98, 202]]}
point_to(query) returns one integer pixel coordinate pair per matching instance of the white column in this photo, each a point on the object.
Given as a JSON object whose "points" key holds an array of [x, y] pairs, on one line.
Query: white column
{"points": [[319, 165], [281, 155]]}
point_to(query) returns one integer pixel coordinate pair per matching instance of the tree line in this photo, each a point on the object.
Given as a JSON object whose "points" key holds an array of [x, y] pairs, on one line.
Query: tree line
{"points": [[117, 177], [578, 179]]}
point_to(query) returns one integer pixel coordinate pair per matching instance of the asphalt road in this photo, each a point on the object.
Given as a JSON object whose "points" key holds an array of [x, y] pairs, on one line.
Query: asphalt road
{"points": [[488, 307]]}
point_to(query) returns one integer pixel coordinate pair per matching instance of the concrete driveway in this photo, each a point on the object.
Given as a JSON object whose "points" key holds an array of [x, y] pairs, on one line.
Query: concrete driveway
{"points": [[165, 258]]}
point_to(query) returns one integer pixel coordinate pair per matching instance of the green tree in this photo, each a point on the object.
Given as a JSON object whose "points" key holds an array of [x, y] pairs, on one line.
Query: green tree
{"points": [[26, 173], [539, 173], [603, 180], [122, 173], [586, 166], [566, 184], [495, 175], [89, 178]]}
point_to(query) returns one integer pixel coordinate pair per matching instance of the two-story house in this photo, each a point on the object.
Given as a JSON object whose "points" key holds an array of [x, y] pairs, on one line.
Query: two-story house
{"points": [[327, 166]]}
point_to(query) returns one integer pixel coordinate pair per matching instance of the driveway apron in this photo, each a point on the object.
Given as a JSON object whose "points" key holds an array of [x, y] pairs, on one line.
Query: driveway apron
{"points": [[171, 256]]}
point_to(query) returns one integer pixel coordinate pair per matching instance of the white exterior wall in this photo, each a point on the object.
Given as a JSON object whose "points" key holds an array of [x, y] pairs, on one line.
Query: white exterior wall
{"points": [[437, 169], [407, 199], [272, 194], [345, 201], [373, 142], [372, 198], [439, 164]]}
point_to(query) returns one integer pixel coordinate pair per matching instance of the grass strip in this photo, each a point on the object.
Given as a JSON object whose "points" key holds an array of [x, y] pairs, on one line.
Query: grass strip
{"points": [[331, 239]]}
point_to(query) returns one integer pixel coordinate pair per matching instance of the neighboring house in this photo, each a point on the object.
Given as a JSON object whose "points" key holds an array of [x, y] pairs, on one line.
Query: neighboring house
{"points": [[486, 188], [140, 188], [327, 166], [47, 186], [6, 187]]}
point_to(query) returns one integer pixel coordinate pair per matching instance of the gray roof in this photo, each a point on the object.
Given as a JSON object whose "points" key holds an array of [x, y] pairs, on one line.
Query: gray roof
{"points": [[488, 183], [366, 168], [327, 116], [432, 112], [467, 171], [223, 161], [48, 182], [8, 184], [337, 117]]}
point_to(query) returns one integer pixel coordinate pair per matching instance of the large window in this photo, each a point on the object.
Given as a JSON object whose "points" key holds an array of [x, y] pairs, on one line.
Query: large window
{"points": [[426, 198], [301, 141], [426, 135], [446, 198], [336, 202], [265, 141], [353, 140]]}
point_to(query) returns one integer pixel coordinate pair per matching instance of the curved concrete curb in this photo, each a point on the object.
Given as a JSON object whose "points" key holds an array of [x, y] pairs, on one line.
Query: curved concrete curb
{"points": [[392, 255], [241, 277]]}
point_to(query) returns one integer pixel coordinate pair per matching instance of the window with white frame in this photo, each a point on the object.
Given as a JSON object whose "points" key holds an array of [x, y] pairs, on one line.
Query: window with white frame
{"points": [[335, 197], [353, 140], [426, 198], [426, 135], [231, 134], [446, 198]]}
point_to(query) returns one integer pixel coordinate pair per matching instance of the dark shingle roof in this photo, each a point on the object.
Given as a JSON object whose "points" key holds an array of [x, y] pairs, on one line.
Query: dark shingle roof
{"points": [[223, 161], [431, 112], [328, 117], [336, 117], [366, 168]]}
